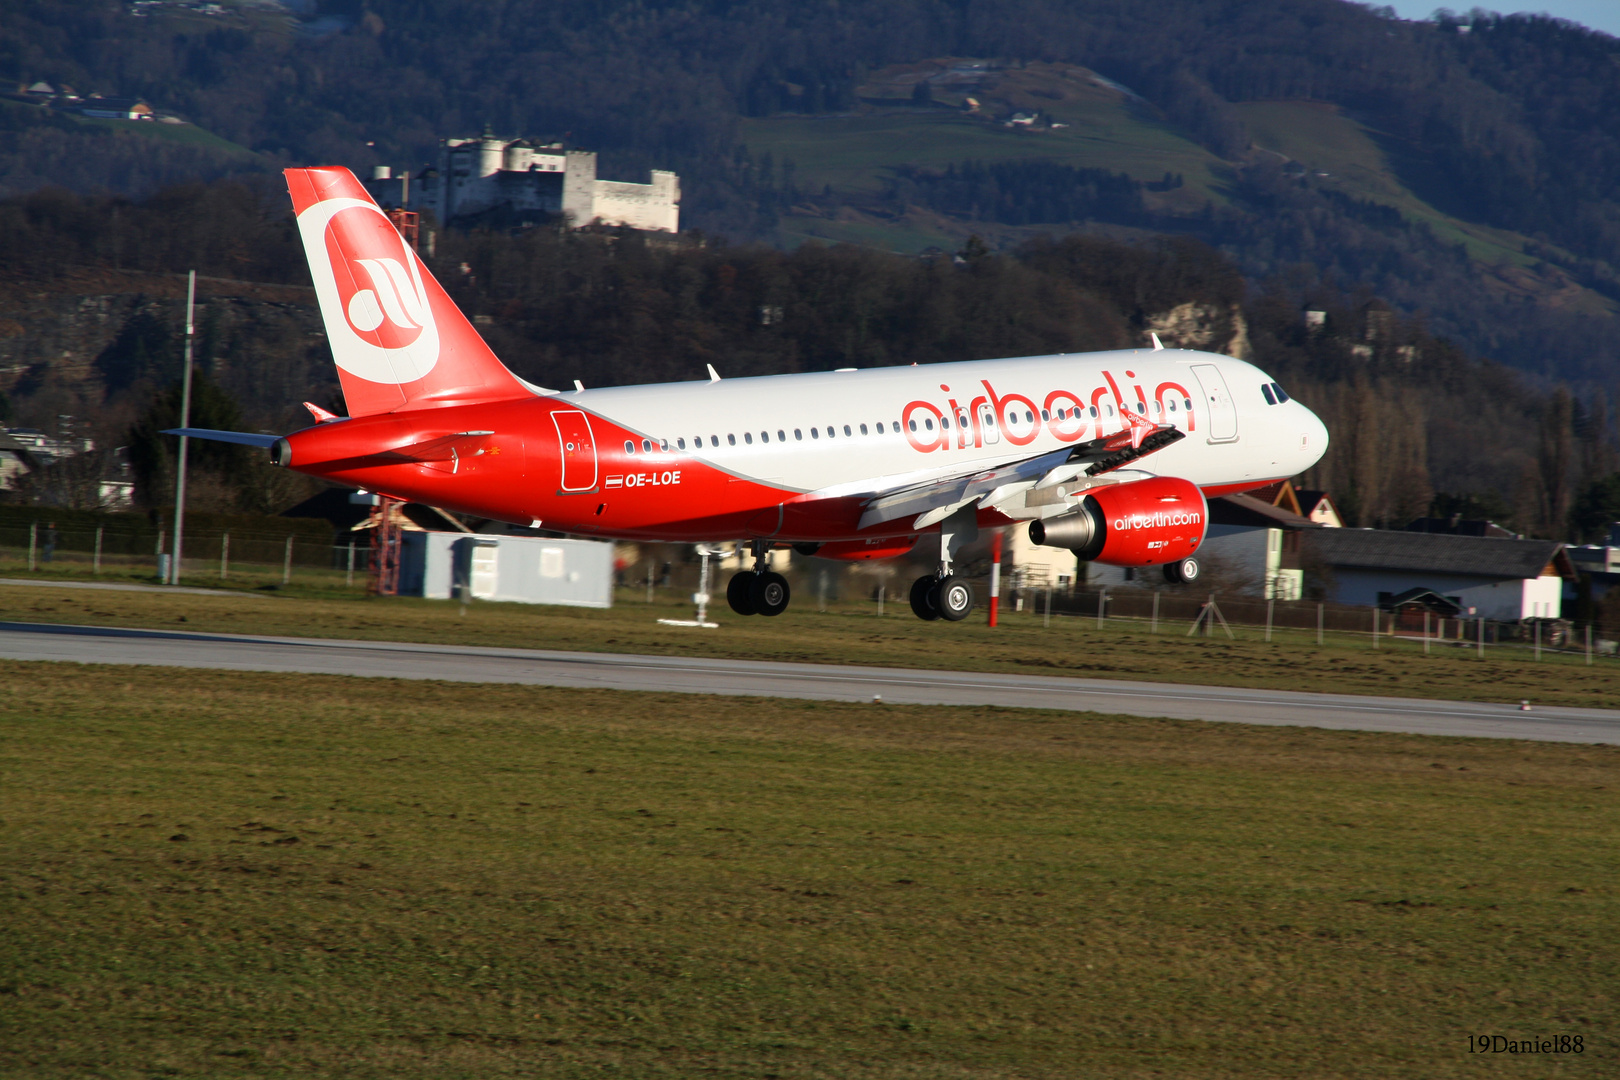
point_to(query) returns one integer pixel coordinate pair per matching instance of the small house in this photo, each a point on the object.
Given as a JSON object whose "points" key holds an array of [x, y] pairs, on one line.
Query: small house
{"points": [[117, 108]]}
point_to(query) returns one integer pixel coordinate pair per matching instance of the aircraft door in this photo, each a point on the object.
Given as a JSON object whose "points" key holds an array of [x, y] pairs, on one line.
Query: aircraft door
{"points": [[578, 448], [1220, 412]]}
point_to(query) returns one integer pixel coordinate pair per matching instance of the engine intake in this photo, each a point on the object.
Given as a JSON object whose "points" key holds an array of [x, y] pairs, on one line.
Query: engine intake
{"points": [[1158, 520]]}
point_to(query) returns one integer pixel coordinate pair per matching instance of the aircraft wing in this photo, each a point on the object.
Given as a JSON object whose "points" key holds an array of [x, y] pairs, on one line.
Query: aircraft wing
{"points": [[932, 501]]}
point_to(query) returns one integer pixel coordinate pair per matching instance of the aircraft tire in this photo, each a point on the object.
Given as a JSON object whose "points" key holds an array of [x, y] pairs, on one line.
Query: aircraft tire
{"points": [[922, 603], [769, 593], [740, 593], [1184, 571], [953, 598]]}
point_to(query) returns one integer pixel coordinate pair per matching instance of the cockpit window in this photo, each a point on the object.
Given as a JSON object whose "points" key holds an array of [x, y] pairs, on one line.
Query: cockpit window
{"points": [[1265, 392]]}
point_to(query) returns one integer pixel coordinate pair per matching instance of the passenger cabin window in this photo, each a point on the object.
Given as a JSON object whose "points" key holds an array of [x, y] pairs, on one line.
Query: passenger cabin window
{"points": [[731, 440], [680, 444], [748, 437], [781, 436], [646, 446], [880, 428], [863, 429], [629, 447], [798, 435], [815, 433]]}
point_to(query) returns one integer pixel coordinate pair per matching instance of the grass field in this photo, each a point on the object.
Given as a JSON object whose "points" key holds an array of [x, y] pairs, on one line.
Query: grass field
{"points": [[223, 874], [853, 634]]}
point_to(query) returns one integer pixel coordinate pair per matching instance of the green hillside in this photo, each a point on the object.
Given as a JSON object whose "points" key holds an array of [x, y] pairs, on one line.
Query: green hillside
{"points": [[845, 163]]}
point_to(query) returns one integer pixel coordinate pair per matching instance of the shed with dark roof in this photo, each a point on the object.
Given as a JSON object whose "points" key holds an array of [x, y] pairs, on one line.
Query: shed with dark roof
{"points": [[1487, 576]]}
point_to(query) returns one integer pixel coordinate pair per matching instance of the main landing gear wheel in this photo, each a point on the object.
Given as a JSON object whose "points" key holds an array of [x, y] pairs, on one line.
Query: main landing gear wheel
{"points": [[769, 593], [953, 598], [922, 598], [740, 593], [1184, 572]]}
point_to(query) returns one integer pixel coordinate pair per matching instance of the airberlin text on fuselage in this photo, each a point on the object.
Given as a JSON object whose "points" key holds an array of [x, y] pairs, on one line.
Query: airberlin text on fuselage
{"points": [[1068, 416]]}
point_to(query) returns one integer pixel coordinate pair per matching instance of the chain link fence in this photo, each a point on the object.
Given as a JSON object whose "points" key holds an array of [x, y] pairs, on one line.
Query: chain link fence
{"points": [[138, 550]]}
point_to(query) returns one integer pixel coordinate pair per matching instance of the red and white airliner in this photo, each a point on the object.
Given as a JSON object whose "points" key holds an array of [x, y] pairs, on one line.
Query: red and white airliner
{"points": [[1108, 454]]}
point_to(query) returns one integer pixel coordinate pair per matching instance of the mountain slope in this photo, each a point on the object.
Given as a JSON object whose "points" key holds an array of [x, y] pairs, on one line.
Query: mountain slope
{"points": [[1504, 139]]}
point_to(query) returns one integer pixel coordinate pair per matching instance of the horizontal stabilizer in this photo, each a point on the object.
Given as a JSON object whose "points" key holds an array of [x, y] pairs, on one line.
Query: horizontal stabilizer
{"points": [[242, 438]]}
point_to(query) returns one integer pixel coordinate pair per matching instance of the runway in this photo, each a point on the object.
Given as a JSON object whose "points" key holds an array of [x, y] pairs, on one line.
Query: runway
{"points": [[610, 671]]}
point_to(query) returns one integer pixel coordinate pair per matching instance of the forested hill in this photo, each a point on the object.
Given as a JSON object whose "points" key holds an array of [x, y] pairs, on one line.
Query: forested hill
{"points": [[92, 296], [1495, 211]]}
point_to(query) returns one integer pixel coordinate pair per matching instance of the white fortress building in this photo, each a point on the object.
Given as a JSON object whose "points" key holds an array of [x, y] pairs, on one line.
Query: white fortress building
{"points": [[478, 176]]}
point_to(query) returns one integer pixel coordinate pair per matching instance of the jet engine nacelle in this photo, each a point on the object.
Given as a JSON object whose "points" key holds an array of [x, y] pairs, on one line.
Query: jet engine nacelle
{"points": [[1159, 520]]}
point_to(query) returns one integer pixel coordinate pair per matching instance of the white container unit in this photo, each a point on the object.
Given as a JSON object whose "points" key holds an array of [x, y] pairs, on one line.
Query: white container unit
{"points": [[521, 569]]}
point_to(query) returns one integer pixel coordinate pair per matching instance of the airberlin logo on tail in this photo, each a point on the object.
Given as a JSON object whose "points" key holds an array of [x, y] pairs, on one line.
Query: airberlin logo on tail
{"points": [[371, 292], [391, 296]]}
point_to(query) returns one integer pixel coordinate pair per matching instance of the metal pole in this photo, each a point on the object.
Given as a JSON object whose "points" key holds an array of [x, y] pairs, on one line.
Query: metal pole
{"points": [[1102, 599], [1154, 626], [995, 575], [1319, 624], [649, 581], [1046, 621], [224, 555], [1375, 627], [1426, 632], [1271, 603], [1482, 637], [185, 421], [703, 585], [1538, 639], [348, 578], [96, 565], [33, 538], [286, 563], [882, 589], [821, 591]]}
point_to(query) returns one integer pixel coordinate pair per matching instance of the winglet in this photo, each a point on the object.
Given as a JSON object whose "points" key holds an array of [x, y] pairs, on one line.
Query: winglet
{"points": [[1141, 426], [578, 386], [321, 415], [714, 376], [1158, 346]]}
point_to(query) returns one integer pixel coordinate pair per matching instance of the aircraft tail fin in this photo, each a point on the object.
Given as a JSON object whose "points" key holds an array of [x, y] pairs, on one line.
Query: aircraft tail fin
{"points": [[398, 339]]}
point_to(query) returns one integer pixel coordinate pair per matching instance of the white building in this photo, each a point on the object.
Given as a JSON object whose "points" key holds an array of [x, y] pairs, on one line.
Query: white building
{"points": [[488, 174]]}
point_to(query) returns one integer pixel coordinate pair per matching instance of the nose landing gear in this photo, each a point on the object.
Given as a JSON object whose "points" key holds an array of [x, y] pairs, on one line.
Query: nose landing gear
{"points": [[758, 591]]}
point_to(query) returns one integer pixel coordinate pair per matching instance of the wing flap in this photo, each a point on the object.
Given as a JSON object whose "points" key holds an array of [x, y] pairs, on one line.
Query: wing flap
{"points": [[934, 500]]}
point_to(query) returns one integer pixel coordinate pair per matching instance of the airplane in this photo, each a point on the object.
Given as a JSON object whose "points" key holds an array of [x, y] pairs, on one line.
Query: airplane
{"points": [[1112, 455]]}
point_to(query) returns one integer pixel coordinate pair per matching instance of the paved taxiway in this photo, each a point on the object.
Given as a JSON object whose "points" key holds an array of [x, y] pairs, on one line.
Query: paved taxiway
{"points": [[88, 644]]}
